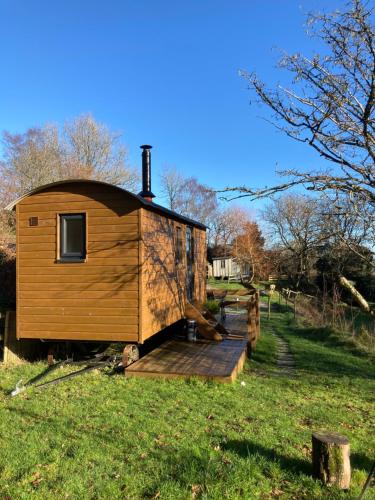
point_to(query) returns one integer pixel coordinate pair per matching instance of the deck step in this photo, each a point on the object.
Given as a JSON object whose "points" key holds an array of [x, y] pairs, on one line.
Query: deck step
{"points": [[205, 359]]}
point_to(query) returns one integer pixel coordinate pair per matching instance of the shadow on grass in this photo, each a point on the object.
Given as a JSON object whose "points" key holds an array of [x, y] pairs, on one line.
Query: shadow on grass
{"points": [[361, 462], [245, 448]]}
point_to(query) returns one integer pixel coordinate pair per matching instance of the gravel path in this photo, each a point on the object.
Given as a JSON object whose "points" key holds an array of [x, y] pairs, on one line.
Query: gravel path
{"points": [[285, 360], [284, 357]]}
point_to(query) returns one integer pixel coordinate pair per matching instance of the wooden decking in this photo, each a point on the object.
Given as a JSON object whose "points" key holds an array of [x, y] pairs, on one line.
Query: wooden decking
{"points": [[209, 360]]}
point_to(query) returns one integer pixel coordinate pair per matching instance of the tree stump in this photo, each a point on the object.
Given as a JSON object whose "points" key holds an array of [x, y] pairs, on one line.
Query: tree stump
{"points": [[331, 459]]}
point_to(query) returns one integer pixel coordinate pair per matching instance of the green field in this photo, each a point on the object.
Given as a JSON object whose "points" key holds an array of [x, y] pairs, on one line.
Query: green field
{"points": [[224, 285], [108, 437]]}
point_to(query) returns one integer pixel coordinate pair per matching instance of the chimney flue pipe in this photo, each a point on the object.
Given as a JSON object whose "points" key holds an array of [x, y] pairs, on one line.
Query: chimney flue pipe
{"points": [[146, 192]]}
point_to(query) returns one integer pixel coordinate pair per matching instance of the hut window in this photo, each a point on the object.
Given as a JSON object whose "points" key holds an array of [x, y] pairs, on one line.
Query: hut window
{"points": [[223, 264], [178, 253], [72, 237], [190, 254]]}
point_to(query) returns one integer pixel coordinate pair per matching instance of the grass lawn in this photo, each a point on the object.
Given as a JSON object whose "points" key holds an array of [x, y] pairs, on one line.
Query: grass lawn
{"points": [[362, 324], [224, 284], [102, 437]]}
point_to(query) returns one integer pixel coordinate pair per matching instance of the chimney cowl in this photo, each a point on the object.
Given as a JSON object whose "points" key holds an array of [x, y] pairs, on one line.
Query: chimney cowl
{"points": [[146, 192]]}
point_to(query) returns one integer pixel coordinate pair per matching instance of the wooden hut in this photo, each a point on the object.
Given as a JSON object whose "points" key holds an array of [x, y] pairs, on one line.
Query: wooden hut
{"points": [[98, 263], [229, 268]]}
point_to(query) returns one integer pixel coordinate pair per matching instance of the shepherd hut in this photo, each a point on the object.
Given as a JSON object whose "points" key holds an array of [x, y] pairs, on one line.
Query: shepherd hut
{"points": [[98, 263], [230, 268]]}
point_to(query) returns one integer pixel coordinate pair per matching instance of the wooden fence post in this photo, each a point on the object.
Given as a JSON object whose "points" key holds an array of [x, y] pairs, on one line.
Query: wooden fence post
{"points": [[257, 314], [249, 329], [271, 291], [253, 321]]}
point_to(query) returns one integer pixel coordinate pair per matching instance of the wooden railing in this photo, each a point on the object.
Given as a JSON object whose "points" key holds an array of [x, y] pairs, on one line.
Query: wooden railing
{"points": [[253, 321], [276, 277], [250, 305], [289, 296]]}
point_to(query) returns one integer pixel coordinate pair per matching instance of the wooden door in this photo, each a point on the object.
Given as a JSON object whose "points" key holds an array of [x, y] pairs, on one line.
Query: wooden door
{"points": [[189, 264]]}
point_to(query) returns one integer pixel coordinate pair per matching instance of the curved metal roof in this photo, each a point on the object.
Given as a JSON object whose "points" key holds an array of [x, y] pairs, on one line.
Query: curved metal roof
{"points": [[147, 204]]}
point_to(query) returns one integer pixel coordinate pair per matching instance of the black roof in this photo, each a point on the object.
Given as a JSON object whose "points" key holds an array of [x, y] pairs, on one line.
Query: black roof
{"points": [[159, 208], [147, 204]]}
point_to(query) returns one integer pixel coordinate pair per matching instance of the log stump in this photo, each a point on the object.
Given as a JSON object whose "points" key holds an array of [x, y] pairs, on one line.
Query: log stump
{"points": [[331, 459]]}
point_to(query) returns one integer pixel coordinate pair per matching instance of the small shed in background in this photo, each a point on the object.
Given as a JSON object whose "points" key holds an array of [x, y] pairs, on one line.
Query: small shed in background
{"points": [[229, 268]]}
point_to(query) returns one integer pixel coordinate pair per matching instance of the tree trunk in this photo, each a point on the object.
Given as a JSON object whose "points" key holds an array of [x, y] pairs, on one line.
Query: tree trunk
{"points": [[331, 459], [361, 301]]}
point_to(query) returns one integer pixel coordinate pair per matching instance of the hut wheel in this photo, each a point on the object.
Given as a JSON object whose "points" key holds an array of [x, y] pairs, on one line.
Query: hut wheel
{"points": [[130, 354]]}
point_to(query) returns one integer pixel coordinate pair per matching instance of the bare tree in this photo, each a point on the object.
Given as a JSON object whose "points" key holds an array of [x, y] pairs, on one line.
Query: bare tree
{"points": [[226, 225], [319, 242], [197, 201], [329, 105], [85, 149], [172, 183], [345, 226], [295, 222], [307, 228], [30, 160], [90, 147], [188, 197]]}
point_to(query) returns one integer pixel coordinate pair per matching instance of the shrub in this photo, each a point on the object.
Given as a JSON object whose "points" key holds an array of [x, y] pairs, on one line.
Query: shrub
{"points": [[212, 306], [7, 276]]}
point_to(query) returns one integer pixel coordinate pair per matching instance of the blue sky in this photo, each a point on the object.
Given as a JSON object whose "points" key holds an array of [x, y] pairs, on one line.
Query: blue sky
{"points": [[161, 72]]}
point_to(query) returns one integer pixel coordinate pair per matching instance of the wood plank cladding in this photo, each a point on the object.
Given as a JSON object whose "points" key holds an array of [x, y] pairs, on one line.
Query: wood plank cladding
{"points": [[162, 278], [200, 264], [128, 287], [93, 300], [92, 271], [79, 310]]}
